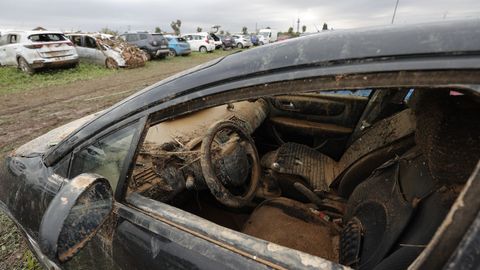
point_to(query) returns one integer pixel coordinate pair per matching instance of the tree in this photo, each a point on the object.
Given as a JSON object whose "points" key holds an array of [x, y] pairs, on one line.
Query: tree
{"points": [[228, 33], [109, 31], [325, 27], [199, 29], [290, 31], [176, 26], [268, 27], [244, 30], [222, 32], [158, 30], [216, 27], [304, 28]]}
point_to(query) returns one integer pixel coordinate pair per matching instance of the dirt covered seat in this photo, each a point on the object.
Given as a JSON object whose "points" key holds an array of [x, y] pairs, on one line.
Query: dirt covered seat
{"points": [[295, 225], [387, 138]]}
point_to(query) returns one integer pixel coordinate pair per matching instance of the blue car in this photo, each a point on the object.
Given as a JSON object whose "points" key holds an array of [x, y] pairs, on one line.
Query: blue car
{"points": [[178, 46]]}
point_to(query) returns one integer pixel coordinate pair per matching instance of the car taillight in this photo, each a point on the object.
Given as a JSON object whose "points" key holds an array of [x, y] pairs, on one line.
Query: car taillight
{"points": [[33, 46]]}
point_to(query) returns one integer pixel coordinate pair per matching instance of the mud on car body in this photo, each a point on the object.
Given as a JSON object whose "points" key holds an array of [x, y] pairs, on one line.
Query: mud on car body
{"points": [[32, 50], [283, 157]]}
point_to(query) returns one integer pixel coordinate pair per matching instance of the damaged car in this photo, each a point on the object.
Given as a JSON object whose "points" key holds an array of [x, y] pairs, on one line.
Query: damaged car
{"points": [[348, 149], [108, 52], [34, 50]]}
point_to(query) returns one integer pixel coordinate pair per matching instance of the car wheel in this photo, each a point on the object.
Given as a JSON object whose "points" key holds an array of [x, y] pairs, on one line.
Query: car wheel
{"points": [[261, 43], [240, 45], [172, 53], [203, 49], [24, 66], [110, 63]]}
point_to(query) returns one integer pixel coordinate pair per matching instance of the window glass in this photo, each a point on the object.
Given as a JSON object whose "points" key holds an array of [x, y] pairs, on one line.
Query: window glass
{"points": [[47, 37], [131, 38], [13, 39], [107, 156], [77, 40], [3, 40], [90, 42], [143, 36]]}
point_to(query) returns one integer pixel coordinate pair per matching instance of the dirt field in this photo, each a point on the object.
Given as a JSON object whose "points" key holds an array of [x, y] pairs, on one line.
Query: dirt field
{"points": [[28, 114]]}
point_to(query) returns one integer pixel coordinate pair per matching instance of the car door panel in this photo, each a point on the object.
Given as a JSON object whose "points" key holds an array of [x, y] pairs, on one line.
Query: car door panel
{"points": [[144, 242]]}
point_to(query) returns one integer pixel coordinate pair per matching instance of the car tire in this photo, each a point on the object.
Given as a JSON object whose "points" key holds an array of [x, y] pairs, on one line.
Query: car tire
{"points": [[24, 66], [240, 45], [261, 43], [172, 53], [203, 49], [110, 63]]}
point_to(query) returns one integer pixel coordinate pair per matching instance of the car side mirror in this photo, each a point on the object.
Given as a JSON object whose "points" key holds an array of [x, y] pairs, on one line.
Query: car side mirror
{"points": [[74, 216]]}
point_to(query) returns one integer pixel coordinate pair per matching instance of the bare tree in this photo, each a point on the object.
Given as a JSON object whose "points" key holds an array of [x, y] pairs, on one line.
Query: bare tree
{"points": [[176, 26]]}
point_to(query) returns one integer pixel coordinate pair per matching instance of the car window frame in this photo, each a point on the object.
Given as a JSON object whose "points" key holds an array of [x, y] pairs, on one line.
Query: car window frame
{"points": [[121, 184]]}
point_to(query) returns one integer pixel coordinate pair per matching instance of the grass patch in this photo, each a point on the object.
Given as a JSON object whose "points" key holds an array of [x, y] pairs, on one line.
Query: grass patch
{"points": [[13, 80]]}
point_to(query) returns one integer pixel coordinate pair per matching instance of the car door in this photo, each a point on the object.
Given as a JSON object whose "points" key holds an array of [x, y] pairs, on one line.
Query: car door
{"points": [[8, 51], [92, 52], [319, 116]]}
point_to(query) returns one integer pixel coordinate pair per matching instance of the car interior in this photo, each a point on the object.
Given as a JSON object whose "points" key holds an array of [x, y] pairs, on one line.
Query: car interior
{"points": [[359, 177]]}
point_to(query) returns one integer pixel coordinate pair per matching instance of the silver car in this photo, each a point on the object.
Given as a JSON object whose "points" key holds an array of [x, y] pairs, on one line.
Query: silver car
{"points": [[32, 50], [103, 51]]}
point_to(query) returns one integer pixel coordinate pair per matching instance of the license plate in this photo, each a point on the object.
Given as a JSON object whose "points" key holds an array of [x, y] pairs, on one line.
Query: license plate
{"points": [[163, 46]]}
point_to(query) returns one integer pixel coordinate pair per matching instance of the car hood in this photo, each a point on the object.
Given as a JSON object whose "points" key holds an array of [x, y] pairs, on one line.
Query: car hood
{"points": [[41, 144]]}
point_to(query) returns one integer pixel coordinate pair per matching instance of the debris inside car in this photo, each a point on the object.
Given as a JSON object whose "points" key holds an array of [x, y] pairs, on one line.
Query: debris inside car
{"points": [[134, 57]]}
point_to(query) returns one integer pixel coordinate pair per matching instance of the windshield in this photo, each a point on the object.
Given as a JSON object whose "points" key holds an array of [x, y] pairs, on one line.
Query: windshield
{"points": [[265, 34]]}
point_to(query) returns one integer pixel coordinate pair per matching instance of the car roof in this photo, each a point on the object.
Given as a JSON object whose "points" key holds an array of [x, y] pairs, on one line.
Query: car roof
{"points": [[378, 49]]}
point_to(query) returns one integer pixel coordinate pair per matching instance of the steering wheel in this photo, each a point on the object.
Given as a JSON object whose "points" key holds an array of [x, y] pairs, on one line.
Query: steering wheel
{"points": [[218, 190]]}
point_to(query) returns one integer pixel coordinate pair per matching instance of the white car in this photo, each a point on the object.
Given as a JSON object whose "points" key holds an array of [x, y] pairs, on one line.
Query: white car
{"points": [[266, 36], [31, 50], [243, 41], [95, 49], [201, 42]]}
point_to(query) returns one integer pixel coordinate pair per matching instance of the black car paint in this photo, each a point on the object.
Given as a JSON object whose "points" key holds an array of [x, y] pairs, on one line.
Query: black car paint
{"points": [[35, 177]]}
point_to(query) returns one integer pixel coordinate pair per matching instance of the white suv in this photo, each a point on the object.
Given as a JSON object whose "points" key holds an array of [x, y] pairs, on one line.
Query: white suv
{"points": [[31, 50], [201, 42], [242, 41]]}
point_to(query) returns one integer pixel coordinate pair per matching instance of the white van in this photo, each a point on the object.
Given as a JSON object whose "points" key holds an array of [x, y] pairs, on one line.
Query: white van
{"points": [[266, 36], [201, 42]]}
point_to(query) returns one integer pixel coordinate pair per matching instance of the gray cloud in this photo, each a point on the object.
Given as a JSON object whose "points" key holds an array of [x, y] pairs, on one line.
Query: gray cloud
{"points": [[90, 15]]}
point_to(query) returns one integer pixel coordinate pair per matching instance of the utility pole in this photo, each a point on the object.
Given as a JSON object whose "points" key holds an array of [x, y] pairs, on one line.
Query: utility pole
{"points": [[395, 11], [298, 25]]}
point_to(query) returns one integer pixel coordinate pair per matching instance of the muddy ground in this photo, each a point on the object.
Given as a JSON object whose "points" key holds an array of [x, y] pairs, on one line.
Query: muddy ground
{"points": [[26, 115]]}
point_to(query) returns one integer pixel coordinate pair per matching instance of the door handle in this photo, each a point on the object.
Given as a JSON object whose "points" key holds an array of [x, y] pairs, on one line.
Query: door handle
{"points": [[287, 105]]}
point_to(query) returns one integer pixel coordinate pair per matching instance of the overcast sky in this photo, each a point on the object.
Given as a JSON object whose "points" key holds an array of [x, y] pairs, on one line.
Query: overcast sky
{"points": [[121, 15]]}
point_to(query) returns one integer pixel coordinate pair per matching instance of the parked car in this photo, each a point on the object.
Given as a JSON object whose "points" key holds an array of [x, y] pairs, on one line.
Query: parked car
{"points": [[200, 42], [154, 46], [267, 159], [254, 39], [106, 51], [178, 46], [227, 42], [242, 41], [217, 40], [32, 50]]}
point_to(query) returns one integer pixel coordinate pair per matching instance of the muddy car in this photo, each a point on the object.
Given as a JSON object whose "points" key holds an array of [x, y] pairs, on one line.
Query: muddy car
{"points": [[153, 45], [108, 52], [348, 149], [33, 50]]}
